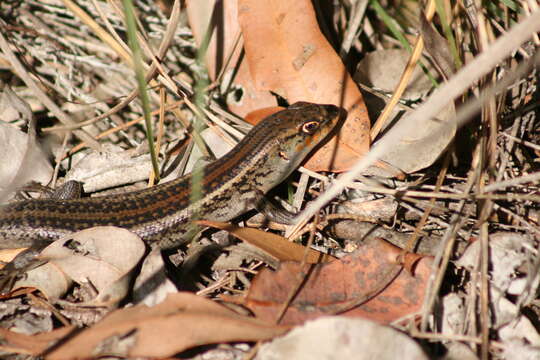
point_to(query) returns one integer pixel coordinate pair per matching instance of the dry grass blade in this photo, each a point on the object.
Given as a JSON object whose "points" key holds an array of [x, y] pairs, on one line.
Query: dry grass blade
{"points": [[20, 70], [100, 32], [405, 77]]}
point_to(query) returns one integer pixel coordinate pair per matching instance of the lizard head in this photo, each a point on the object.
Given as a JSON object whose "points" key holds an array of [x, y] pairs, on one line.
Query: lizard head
{"points": [[291, 134]]}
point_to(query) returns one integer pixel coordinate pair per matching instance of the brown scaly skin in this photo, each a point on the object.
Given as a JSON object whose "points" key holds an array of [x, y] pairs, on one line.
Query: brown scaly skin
{"points": [[231, 186]]}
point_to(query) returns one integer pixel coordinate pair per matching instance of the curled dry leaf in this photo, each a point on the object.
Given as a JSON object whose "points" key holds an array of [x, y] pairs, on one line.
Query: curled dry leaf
{"points": [[27, 161], [309, 69], [48, 278], [288, 55], [110, 167], [103, 256], [182, 321], [410, 260], [329, 286], [510, 257]]}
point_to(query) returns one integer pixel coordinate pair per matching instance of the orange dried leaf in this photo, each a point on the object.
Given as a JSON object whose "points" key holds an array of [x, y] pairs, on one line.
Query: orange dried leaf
{"points": [[329, 286], [287, 54], [256, 116], [182, 321], [221, 52], [34, 344], [410, 261], [6, 255], [224, 23], [275, 245]]}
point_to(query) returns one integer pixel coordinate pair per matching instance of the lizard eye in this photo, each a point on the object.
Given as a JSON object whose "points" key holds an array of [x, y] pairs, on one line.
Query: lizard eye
{"points": [[310, 127]]}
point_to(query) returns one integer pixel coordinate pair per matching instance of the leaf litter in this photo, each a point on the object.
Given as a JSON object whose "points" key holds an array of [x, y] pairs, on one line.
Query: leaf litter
{"points": [[256, 53]]}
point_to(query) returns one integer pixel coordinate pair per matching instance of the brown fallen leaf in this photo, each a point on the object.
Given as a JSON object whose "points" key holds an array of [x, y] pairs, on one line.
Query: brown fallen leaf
{"points": [[330, 288], [275, 245], [288, 55], [223, 56], [182, 321], [88, 256], [34, 344], [257, 115]]}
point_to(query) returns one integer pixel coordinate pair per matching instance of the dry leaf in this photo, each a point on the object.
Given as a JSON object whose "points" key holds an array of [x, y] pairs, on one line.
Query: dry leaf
{"points": [[382, 70], [332, 338], [34, 344], [288, 55], [48, 278], [437, 46], [242, 97], [329, 286], [206, 15], [13, 107], [152, 284], [182, 321], [27, 162], [103, 256], [6, 255], [110, 167], [256, 116], [275, 245]]}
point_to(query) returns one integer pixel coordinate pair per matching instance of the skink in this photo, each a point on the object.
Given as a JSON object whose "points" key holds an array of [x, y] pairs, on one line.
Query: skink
{"points": [[162, 214]]}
